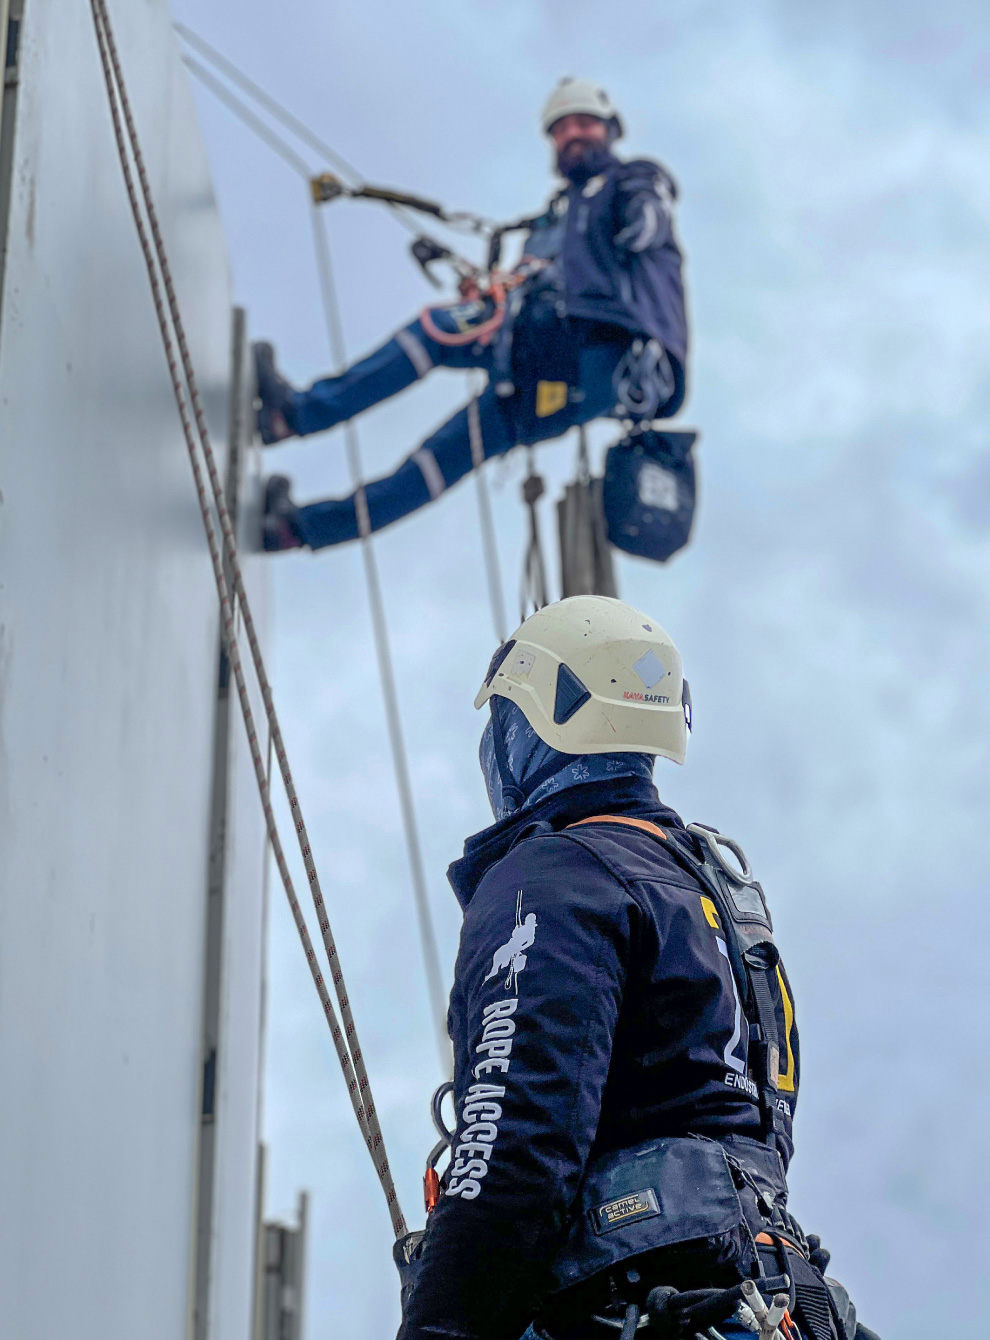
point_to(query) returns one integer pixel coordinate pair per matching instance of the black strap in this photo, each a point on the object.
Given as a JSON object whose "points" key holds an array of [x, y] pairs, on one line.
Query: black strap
{"points": [[754, 969], [764, 1053]]}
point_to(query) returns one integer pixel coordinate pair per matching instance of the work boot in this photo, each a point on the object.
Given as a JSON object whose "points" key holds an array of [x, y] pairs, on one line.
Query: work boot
{"points": [[280, 529], [277, 412]]}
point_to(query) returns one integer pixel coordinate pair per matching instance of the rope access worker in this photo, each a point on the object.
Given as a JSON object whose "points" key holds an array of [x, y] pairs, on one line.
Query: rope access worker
{"points": [[592, 321], [626, 1059]]}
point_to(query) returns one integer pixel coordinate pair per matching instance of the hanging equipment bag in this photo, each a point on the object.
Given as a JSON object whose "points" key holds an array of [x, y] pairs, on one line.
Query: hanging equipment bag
{"points": [[649, 492]]}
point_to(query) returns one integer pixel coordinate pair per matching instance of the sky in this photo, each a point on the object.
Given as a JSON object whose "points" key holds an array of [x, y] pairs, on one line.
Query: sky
{"points": [[832, 610]]}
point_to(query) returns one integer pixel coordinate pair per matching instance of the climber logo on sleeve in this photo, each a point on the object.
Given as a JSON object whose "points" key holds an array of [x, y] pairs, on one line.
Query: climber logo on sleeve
{"points": [[510, 958]]}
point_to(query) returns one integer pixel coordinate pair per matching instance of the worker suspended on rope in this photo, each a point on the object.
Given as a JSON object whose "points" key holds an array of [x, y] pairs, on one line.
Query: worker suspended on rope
{"points": [[591, 322], [626, 1057]]}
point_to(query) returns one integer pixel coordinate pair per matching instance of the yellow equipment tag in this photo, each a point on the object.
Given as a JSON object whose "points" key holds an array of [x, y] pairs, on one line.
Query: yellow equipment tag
{"points": [[550, 397]]}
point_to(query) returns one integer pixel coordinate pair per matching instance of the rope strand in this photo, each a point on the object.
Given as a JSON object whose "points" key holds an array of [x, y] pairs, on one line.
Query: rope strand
{"points": [[346, 1043], [488, 546], [287, 118], [431, 956], [240, 109], [288, 154]]}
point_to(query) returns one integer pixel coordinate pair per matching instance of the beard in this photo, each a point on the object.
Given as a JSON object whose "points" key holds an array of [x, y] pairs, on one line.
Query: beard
{"points": [[580, 160]]}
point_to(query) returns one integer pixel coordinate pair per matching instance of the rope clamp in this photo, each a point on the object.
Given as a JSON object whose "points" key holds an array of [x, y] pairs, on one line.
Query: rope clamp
{"points": [[326, 187]]}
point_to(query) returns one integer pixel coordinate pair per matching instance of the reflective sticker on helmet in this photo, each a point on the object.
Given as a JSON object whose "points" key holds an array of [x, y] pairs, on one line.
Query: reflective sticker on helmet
{"points": [[650, 668]]}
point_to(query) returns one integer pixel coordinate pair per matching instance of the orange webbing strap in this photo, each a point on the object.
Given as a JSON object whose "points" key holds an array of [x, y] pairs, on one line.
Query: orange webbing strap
{"points": [[765, 1240], [626, 819]]}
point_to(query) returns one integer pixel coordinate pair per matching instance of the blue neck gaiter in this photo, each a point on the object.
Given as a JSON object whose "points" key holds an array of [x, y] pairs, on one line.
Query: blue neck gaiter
{"points": [[520, 769]]}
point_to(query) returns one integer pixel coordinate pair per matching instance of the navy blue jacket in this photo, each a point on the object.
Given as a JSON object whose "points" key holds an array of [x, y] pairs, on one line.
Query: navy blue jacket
{"points": [[592, 1009], [620, 260]]}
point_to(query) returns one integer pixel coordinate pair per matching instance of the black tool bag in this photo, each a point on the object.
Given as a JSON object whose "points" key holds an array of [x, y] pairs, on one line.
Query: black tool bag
{"points": [[649, 492], [674, 1196]]}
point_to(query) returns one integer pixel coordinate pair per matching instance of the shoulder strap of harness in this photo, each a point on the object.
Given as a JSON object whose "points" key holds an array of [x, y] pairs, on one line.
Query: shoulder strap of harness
{"points": [[745, 920]]}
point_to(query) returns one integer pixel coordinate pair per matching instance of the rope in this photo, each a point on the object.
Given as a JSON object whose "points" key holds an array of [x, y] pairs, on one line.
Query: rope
{"points": [[427, 933], [488, 545], [282, 114], [346, 1041], [534, 578], [583, 457], [288, 154], [241, 110], [431, 957]]}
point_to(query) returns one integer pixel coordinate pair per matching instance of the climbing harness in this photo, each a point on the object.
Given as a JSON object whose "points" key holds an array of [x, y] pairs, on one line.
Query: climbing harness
{"points": [[672, 1314], [730, 1192], [186, 391], [477, 320], [755, 960]]}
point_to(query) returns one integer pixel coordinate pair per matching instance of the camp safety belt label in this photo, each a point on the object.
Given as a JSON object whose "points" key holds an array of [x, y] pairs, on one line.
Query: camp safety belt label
{"points": [[625, 1210]]}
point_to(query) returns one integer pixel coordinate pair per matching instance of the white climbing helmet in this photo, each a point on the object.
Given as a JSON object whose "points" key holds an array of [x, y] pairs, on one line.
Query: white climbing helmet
{"points": [[581, 97], [592, 675]]}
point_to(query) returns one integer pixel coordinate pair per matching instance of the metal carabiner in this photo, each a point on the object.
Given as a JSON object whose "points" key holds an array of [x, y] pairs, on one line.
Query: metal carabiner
{"points": [[436, 1111], [431, 1178], [743, 874]]}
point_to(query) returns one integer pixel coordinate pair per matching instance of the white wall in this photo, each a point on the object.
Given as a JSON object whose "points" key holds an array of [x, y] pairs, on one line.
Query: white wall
{"points": [[108, 645]]}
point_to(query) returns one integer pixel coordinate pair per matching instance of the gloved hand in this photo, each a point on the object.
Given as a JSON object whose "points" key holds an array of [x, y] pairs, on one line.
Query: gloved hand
{"points": [[818, 1255]]}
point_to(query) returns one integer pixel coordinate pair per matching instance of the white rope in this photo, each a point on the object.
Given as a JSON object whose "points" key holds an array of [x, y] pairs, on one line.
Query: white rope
{"points": [[488, 545], [174, 340], [418, 356], [431, 957]]}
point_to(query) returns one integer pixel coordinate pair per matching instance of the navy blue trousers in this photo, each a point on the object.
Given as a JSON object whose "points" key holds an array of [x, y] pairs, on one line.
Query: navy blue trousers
{"points": [[445, 456]]}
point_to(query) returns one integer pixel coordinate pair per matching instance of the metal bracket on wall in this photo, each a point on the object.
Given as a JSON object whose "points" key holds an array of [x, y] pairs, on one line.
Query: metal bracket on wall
{"points": [[586, 566], [284, 1278], [213, 967], [11, 14]]}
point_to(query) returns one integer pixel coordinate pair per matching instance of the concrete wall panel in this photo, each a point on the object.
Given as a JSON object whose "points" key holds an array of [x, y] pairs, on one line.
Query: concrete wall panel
{"points": [[108, 645]]}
